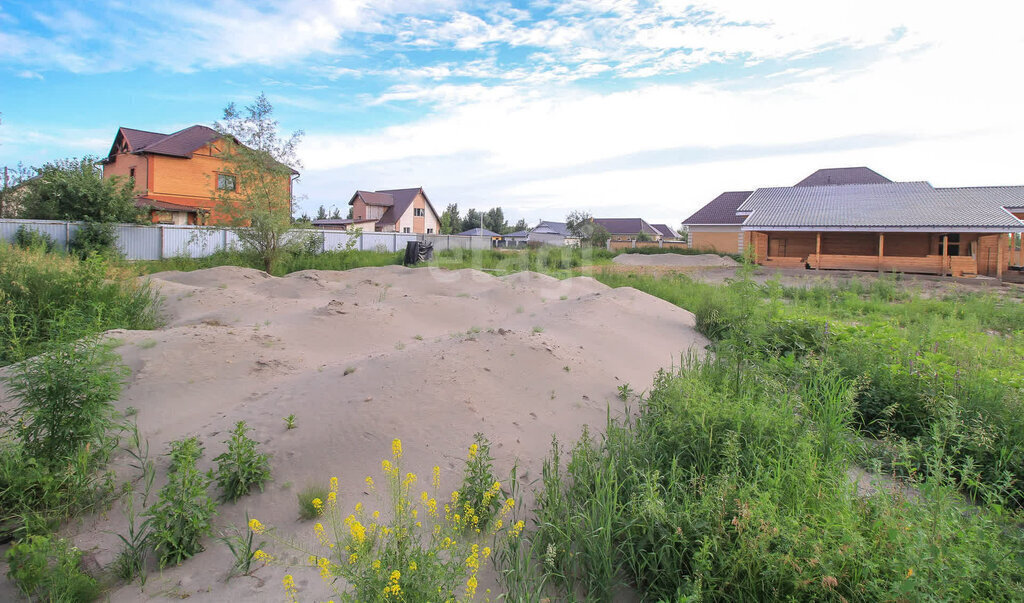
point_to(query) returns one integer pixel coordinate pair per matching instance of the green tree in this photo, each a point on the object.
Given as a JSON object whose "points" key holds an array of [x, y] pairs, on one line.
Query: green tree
{"points": [[258, 197], [450, 221], [321, 213], [473, 219], [521, 225], [12, 189], [581, 224], [494, 220], [75, 189]]}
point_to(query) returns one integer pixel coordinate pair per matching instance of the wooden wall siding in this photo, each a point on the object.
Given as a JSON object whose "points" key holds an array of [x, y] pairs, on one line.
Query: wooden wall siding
{"points": [[930, 264], [792, 244], [993, 254], [1017, 249], [907, 244], [122, 166], [760, 242]]}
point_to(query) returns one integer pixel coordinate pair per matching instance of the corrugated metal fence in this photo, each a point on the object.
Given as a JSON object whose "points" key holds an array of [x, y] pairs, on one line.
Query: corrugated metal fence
{"points": [[143, 242]]}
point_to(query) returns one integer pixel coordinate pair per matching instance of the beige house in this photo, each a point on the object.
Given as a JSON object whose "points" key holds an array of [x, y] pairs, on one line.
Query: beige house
{"points": [[398, 210]]}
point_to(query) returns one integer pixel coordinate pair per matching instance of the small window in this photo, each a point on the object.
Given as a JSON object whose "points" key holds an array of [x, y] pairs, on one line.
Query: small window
{"points": [[164, 217], [430, 231], [131, 173], [226, 182], [418, 211], [406, 229]]}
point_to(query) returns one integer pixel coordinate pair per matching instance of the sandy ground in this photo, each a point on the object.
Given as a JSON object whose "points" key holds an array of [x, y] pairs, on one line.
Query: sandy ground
{"points": [[432, 357], [674, 260]]}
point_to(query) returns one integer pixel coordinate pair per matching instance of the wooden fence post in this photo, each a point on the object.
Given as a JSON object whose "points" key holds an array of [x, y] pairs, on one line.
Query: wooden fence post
{"points": [[881, 250]]}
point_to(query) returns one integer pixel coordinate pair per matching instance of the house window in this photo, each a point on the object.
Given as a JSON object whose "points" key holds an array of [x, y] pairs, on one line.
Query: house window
{"points": [[406, 229], [418, 211], [954, 244], [226, 182], [164, 217], [131, 173], [430, 231]]}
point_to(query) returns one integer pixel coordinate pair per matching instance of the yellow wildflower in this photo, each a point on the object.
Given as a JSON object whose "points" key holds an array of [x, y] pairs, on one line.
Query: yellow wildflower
{"points": [[334, 484], [353, 558], [359, 507], [375, 565], [910, 572], [486, 552], [410, 479], [376, 514], [260, 555], [412, 566], [369, 482], [436, 481], [256, 526], [385, 466], [318, 505], [325, 568], [472, 451], [289, 588], [396, 448], [517, 529], [471, 585], [332, 498]]}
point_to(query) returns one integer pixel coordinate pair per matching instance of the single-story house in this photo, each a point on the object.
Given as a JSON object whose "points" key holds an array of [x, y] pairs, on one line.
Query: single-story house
{"points": [[628, 229], [552, 233], [397, 210], [481, 232], [515, 239], [893, 226], [716, 226], [667, 232]]}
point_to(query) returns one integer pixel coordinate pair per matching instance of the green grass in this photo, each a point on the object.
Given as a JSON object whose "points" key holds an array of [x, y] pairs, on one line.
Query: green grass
{"points": [[560, 262], [331, 260], [47, 297]]}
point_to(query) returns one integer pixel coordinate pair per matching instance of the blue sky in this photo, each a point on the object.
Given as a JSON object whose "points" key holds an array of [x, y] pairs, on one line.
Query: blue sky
{"points": [[620, 107]]}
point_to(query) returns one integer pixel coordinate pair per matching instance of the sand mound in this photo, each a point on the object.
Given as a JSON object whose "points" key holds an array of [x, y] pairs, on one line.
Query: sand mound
{"points": [[361, 357], [674, 259]]}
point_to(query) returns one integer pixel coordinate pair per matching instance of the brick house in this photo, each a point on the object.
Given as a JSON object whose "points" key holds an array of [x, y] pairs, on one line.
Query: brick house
{"points": [[177, 176], [396, 210]]}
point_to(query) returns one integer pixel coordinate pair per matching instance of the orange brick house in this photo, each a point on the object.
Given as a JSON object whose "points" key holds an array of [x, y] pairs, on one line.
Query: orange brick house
{"points": [[177, 176]]}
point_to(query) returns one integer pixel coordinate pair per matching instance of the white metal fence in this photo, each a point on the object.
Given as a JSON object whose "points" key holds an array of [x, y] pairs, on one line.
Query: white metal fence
{"points": [[144, 242]]}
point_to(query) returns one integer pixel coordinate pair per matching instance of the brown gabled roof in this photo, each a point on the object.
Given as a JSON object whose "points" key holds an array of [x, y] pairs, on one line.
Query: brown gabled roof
{"points": [[371, 198], [164, 204], [840, 176], [183, 142], [626, 226], [720, 211]]}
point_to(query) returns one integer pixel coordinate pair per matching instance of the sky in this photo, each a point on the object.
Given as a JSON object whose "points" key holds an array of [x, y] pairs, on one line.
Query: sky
{"points": [[623, 108]]}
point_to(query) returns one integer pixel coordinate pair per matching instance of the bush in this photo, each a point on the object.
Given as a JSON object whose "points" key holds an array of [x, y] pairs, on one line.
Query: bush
{"points": [[28, 238], [97, 238], [64, 400], [480, 488], [50, 297], [183, 513], [241, 467], [307, 508], [46, 568]]}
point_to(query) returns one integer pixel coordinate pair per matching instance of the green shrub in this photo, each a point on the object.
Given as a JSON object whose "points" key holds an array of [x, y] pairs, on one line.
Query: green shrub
{"points": [[28, 238], [241, 467], [182, 515], [98, 238], [480, 488], [48, 297], [64, 400], [307, 509], [46, 568]]}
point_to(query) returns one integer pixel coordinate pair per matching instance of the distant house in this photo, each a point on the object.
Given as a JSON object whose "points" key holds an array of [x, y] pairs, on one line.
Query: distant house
{"points": [[515, 239], [480, 232], [855, 219], [716, 226], [667, 232], [628, 229], [178, 176], [552, 233], [398, 210]]}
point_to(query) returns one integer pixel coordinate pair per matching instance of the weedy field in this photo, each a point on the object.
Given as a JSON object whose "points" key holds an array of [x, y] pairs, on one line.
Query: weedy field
{"points": [[850, 442]]}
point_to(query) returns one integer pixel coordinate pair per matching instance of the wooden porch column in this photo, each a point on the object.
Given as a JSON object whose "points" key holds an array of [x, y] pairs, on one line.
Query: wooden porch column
{"points": [[817, 253], [945, 253], [881, 250], [999, 259]]}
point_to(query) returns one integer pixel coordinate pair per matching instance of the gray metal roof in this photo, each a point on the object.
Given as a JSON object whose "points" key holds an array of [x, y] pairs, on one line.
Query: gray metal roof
{"points": [[721, 210], [843, 176], [558, 228], [479, 232], [891, 206], [630, 226]]}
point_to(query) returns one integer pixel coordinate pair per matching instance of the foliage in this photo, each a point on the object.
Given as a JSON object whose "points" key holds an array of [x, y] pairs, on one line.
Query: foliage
{"points": [[494, 220], [285, 264], [289, 421], [28, 238], [182, 515], [242, 466], [480, 489], [726, 489], [95, 238], [130, 562], [581, 225], [307, 508], [418, 548], [243, 546], [260, 203], [12, 189], [64, 401], [49, 297], [75, 189], [46, 568]]}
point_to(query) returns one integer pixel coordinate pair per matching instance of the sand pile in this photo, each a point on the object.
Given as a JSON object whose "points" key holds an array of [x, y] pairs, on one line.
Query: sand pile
{"points": [[674, 259], [361, 357]]}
